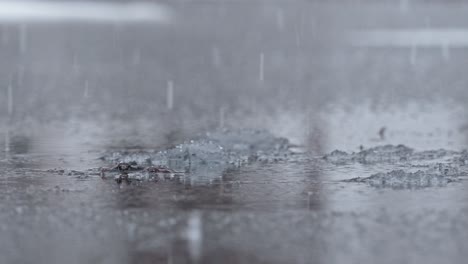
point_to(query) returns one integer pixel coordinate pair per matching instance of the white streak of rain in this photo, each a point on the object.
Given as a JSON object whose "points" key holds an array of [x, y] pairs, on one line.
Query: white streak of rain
{"points": [[10, 114], [222, 113], [261, 75], [446, 51], [404, 6], [23, 38], [216, 56], [10, 100], [7, 140], [86, 89], [413, 54], [5, 36], [170, 95], [280, 19], [136, 58]]}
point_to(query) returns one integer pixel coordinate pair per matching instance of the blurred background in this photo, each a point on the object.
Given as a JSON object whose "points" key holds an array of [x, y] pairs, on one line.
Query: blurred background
{"points": [[312, 71], [83, 78]]}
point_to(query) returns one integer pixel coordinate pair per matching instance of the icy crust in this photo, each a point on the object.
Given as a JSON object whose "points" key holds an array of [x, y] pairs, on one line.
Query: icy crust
{"points": [[439, 175], [216, 151], [388, 154]]}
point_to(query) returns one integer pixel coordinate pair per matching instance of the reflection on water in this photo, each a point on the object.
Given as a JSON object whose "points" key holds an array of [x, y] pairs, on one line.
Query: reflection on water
{"points": [[292, 210], [275, 212], [75, 93]]}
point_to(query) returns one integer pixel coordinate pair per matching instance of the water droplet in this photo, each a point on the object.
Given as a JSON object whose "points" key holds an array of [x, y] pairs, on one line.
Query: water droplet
{"points": [[216, 56], [86, 89], [23, 38], [170, 95], [446, 51], [10, 100], [261, 67], [413, 54], [222, 112], [280, 19], [404, 6], [136, 58]]}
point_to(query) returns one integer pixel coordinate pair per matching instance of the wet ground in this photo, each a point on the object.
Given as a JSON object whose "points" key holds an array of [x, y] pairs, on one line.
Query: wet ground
{"points": [[388, 204], [290, 140]]}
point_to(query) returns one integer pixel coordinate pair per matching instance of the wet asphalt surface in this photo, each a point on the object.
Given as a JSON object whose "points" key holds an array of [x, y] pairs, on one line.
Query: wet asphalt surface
{"points": [[297, 210], [80, 93]]}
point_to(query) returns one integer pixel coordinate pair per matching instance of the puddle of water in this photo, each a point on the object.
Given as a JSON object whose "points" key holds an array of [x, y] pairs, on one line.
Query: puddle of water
{"points": [[244, 212]]}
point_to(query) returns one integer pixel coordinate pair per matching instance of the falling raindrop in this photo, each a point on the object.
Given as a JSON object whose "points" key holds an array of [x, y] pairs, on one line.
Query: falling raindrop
{"points": [[298, 35], [23, 38], [20, 75], [446, 51], [194, 235], [428, 22], [216, 56], [170, 258], [280, 19], [86, 89], [117, 31], [413, 54], [10, 114], [261, 67], [222, 113], [404, 6], [7, 140], [10, 100], [170, 95], [136, 58], [192, 181], [5, 36], [313, 26], [75, 64], [308, 123]]}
